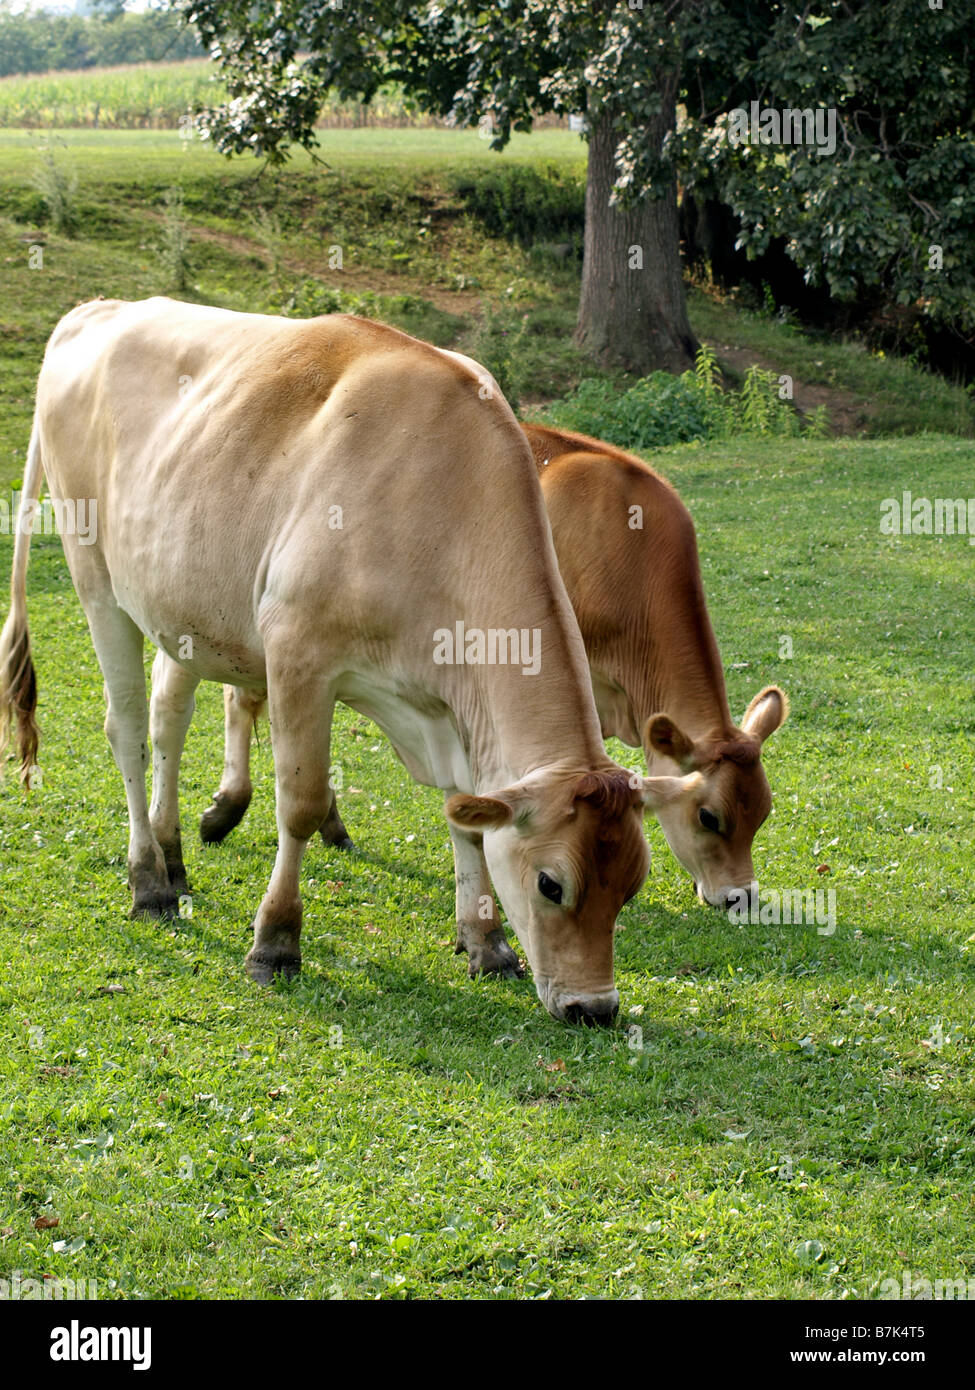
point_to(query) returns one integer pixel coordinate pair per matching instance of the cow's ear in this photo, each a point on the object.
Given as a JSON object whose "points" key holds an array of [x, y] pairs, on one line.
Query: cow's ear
{"points": [[663, 791], [662, 735], [479, 812], [766, 713]]}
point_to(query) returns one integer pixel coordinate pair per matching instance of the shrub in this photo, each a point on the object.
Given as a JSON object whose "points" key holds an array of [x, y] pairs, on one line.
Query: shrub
{"points": [[527, 204], [173, 250], [662, 409], [57, 187]]}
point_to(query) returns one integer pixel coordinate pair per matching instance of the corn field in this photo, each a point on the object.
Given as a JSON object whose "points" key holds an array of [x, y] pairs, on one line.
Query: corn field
{"points": [[155, 96]]}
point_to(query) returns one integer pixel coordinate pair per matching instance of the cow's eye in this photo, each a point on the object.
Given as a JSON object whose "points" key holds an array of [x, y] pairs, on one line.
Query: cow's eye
{"points": [[708, 819], [549, 888]]}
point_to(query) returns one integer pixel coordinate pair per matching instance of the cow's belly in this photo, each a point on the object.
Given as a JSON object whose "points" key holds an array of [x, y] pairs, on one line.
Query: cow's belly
{"points": [[420, 728], [204, 638]]}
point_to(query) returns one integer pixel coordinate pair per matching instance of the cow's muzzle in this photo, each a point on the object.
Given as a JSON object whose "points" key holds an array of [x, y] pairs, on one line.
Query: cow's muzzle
{"points": [[729, 895], [591, 1009]]}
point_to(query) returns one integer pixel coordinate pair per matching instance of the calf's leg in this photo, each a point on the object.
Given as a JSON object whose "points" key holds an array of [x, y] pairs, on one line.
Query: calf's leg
{"points": [[241, 709], [332, 830]]}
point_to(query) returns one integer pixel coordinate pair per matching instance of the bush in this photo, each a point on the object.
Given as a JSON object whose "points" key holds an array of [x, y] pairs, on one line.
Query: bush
{"points": [[173, 250], [527, 204], [495, 342], [662, 409], [57, 187]]}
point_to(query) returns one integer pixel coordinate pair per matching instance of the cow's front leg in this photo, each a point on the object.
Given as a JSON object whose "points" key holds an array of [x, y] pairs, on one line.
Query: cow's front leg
{"points": [[301, 716], [171, 710], [241, 710], [479, 929]]}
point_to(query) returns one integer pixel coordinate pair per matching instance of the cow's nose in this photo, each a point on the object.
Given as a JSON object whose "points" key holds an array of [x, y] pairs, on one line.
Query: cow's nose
{"points": [[596, 1012], [741, 897]]}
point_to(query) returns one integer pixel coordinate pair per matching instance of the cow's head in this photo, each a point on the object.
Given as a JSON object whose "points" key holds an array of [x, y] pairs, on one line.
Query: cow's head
{"points": [[712, 825], [565, 852]]}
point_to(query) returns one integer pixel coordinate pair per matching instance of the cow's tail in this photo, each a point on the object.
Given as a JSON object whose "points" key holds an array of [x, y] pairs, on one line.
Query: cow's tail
{"points": [[18, 681]]}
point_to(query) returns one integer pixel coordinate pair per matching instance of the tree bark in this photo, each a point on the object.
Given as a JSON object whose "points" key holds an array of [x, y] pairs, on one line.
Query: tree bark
{"points": [[630, 317]]}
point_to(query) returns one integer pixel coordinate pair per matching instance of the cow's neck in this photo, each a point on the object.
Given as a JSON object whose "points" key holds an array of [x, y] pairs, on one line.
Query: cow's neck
{"points": [[672, 667], [513, 724]]}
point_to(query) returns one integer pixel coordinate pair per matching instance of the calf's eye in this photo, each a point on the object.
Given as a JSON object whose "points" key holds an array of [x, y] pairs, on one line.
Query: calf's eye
{"points": [[549, 888], [708, 819]]}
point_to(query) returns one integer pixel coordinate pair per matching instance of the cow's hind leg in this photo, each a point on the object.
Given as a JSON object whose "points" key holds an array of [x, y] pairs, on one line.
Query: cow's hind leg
{"points": [[118, 645], [479, 929], [173, 701], [301, 716], [241, 710]]}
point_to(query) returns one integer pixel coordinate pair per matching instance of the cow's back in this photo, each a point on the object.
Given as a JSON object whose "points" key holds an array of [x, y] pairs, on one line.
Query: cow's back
{"points": [[332, 462]]}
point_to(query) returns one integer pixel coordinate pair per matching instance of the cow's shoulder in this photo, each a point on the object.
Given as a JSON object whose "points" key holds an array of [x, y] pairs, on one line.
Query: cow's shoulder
{"points": [[576, 469]]}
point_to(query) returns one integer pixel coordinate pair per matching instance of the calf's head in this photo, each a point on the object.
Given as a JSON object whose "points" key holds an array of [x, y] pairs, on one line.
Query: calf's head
{"points": [[711, 826], [565, 851]]}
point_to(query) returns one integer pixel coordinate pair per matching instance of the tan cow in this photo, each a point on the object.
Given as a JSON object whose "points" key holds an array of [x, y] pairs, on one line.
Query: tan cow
{"points": [[306, 507], [628, 554]]}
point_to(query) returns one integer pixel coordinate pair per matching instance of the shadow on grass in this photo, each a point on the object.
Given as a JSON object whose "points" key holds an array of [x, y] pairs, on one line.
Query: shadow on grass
{"points": [[858, 1104]]}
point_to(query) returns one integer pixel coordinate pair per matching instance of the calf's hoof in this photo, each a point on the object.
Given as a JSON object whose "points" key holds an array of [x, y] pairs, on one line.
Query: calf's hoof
{"points": [[491, 956], [346, 843], [226, 812], [263, 964], [334, 834]]}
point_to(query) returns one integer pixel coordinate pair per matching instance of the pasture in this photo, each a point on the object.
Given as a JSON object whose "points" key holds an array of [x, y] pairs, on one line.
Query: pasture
{"points": [[779, 1114]]}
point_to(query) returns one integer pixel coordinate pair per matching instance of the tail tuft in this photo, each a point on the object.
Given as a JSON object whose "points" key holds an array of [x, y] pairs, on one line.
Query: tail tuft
{"points": [[18, 680], [18, 695]]}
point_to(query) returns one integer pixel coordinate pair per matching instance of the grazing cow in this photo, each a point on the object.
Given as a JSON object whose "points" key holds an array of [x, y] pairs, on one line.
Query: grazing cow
{"points": [[306, 508], [628, 554]]}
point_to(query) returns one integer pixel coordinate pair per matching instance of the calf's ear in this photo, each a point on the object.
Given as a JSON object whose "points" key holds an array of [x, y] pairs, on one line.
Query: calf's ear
{"points": [[479, 812], [661, 734], [663, 791], [766, 713]]}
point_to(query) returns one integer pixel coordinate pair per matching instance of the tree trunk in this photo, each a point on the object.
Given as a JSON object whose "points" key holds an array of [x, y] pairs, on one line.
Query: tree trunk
{"points": [[632, 317]]}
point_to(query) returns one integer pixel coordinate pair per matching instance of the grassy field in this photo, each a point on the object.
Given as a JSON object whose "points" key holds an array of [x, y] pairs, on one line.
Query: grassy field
{"points": [[795, 1117], [438, 234]]}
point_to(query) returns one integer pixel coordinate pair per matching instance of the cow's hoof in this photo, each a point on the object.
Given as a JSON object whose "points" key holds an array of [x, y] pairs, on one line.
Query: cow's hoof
{"points": [[226, 812], [335, 836], [178, 881], [262, 965], [492, 956], [163, 904]]}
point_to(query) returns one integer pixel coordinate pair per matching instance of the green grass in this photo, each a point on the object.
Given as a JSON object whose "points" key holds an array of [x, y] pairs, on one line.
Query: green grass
{"points": [[417, 214], [383, 1126]]}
